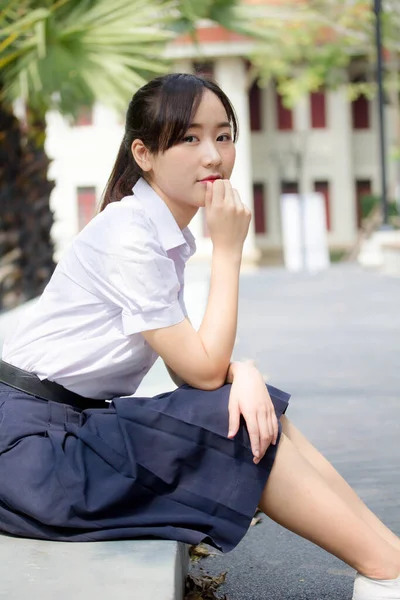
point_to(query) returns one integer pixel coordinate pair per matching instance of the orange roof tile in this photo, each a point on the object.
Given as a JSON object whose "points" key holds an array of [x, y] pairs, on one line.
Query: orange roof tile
{"points": [[211, 34]]}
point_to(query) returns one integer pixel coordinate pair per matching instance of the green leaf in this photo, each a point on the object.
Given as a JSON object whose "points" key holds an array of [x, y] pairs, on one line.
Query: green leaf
{"points": [[71, 53]]}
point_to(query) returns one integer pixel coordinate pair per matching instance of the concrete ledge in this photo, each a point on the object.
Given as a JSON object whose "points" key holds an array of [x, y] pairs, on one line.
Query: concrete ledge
{"points": [[139, 570]]}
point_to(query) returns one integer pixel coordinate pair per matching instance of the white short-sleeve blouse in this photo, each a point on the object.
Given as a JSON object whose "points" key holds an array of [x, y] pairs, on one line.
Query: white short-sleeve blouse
{"points": [[122, 274]]}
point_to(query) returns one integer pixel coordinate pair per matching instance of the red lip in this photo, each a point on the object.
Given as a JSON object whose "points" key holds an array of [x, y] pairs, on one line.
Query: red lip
{"points": [[211, 178]]}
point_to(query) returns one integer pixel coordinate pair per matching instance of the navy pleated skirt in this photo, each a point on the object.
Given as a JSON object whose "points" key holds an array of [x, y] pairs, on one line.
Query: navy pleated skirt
{"points": [[159, 467]]}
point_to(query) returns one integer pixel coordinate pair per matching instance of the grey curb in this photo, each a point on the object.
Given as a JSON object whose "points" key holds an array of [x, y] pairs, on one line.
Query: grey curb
{"points": [[126, 569]]}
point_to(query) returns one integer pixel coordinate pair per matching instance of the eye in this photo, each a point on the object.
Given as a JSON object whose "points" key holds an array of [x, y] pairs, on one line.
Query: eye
{"points": [[190, 138], [227, 137]]}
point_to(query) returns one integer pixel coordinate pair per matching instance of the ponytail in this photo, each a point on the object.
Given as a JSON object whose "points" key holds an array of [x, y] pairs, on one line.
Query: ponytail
{"points": [[126, 172]]}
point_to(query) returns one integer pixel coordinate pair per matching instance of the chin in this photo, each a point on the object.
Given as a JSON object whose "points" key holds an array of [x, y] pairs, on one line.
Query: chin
{"points": [[201, 200]]}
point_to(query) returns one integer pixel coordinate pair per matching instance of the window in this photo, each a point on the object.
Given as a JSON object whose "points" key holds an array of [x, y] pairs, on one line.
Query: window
{"points": [[84, 117], [86, 205], [323, 188], [204, 68], [289, 187], [318, 109], [284, 115], [360, 113], [255, 107], [363, 188], [260, 225]]}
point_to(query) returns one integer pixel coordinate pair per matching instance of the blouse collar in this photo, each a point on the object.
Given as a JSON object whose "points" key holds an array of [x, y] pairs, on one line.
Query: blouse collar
{"points": [[169, 232]]}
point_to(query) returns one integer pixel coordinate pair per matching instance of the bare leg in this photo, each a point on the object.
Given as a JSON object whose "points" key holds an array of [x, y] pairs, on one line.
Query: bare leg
{"points": [[337, 483], [298, 498]]}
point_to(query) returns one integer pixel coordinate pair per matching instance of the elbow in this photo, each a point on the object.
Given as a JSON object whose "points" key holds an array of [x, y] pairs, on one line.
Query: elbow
{"points": [[212, 385], [205, 376], [211, 381], [203, 383]]}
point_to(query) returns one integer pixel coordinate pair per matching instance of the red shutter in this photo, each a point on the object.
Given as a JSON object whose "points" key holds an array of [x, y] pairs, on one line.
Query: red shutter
{"points": [[86, 205], [318, 110], [360, 113], [260, 225], [284, 115], [255, 108], [323, 188], [363, 188]]}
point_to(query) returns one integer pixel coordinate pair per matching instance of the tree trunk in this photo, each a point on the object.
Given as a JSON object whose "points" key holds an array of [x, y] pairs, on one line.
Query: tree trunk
{"points": [[26, 247]]}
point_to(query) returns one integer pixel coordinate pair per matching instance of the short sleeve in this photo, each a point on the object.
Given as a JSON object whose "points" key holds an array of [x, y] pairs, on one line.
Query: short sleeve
{"points": [[135, 275]]}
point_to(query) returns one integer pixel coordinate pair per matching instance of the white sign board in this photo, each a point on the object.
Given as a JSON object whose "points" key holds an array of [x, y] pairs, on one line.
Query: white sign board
{"points": [[305, 242]]}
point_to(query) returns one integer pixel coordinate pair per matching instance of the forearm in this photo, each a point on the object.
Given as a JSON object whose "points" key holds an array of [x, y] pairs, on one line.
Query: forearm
{"points": [[218, 328]]}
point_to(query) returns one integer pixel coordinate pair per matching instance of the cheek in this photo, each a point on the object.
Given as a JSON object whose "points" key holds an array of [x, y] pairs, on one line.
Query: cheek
{"points": [[178, 167], [168, 173]]}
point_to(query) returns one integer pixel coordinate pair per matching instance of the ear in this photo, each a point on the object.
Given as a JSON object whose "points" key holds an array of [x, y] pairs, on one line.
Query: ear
{"points": [[141, 155]]}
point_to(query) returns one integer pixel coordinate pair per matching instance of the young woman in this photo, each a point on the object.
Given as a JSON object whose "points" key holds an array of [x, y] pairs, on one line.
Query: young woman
{"points": [[192, 464]]}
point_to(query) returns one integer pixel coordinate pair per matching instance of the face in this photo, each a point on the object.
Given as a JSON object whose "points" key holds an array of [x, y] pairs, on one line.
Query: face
{"points": [[178, 175]]}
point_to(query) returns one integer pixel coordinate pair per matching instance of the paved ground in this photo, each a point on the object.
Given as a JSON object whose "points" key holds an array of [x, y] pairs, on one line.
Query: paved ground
{"points": [[333, 341]]}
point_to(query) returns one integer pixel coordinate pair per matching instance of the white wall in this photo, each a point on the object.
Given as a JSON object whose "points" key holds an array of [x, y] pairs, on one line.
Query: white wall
{"points": [[81, 156], [336, 154], [84, 156]]}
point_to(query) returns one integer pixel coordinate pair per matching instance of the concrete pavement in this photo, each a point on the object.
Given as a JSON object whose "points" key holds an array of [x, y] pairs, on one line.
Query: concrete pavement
{"points": [[333, 341]]}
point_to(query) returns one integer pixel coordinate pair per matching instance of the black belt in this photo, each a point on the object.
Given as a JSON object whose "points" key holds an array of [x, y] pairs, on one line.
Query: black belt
{"points": [[46, 390]]}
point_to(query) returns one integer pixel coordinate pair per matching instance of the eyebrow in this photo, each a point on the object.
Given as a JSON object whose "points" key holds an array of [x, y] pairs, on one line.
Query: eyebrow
{"points": [[218, 126]]}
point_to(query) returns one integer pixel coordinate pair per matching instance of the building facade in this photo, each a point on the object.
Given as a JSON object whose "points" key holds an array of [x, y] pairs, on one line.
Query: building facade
{"points": [[326, 144]]}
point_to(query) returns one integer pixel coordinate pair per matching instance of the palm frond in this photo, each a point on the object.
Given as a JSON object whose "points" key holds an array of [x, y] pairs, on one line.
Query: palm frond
{"points": [[13, 28], [98, 49]]}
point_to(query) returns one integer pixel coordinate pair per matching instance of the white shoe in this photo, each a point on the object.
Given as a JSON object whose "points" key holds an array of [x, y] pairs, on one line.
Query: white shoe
{"points": [[366, 588]]}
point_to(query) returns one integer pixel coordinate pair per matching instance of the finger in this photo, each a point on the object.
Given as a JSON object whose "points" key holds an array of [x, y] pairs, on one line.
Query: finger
{"points": [[273, 426], [266, 432], [240, 206], [234, 419], [209, 194], [237, 200], [229, 196], [276, 429], [218, 192], [254, 435], [273, 423]]}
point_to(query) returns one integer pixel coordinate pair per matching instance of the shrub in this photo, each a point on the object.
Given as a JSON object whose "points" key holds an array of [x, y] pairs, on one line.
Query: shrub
{"points": [[368, 203]]}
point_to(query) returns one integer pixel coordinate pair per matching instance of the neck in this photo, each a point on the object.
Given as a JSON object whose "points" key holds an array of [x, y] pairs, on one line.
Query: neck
{"points": [[182, 214]]}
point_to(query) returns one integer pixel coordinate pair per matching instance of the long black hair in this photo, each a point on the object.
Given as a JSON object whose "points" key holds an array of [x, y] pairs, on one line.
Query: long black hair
{"points": [[159, 114]]}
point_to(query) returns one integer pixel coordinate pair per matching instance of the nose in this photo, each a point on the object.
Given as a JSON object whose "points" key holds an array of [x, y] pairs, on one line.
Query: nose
{"points": [[211, 155]]}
